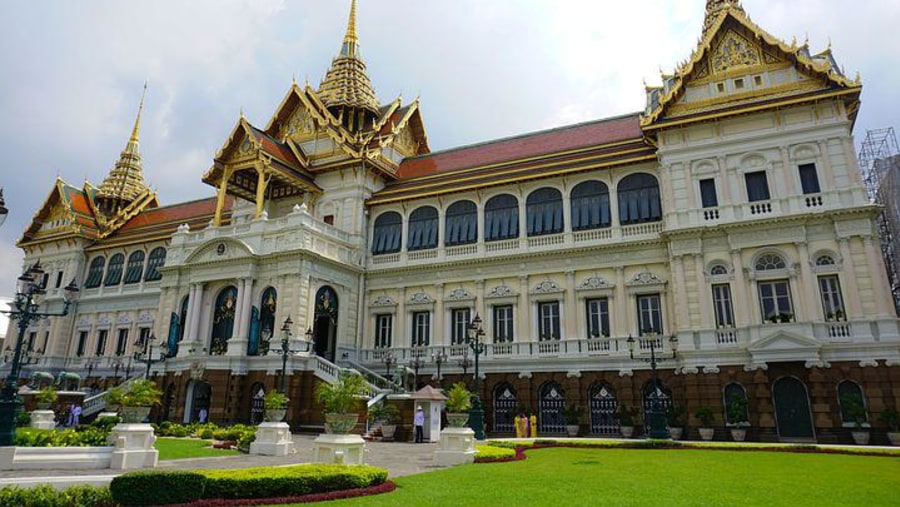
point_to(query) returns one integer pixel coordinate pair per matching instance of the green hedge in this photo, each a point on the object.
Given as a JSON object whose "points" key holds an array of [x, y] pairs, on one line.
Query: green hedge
{"points": [[268, 482], [157, 488], [46, 495], [85, 436]]}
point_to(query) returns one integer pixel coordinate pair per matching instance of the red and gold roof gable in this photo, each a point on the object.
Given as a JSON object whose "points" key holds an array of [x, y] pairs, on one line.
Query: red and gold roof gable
{"points": [[725, 74], [66, 213]]}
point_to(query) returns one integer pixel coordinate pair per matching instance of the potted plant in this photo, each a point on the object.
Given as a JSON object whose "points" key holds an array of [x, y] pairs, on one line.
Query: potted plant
{"points": [[572, 415], [675, 421], [853, 406], [275, 404], [385, 415], [339, 398], [625, 416], [113, 398], [46, 397], [138, 400], [705, 415], [736, 410], [458, 403], [891, 418]]}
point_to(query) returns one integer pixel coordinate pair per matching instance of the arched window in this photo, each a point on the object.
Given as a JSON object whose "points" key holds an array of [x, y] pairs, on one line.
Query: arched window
{"points": [[551, 404], [543, 212], [95, 273], [114, 271], [268, 306], [735, 404], [825, 260], [461, 224], [157, 260], [388, 233], [853, 403], [603, 405], [770, 262], [639, 199], [223, 320], [718, 270], [135, 267], [590, 206], [423, 229], [183, 317], [501, 218]]}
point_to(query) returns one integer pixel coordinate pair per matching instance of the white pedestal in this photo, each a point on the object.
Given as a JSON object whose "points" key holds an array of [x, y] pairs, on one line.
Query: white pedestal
{"points": [[339, 449], [133, 444], [43, 419], [457, 447], [272, 439]]}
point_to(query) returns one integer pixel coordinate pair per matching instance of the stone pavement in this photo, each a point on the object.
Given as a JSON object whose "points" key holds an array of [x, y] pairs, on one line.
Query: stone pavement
{"points": [[400, 458]]}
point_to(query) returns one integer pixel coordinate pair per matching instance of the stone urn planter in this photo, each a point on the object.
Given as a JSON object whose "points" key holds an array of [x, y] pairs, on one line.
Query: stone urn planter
{"points": [[627, 431], [340, 424], [860, 437], [44, 405], [738, 434], [894, 437], [388, 431], [707, 434], [135, 414], [676, 432], [572, 430], [457, 419], [275, 414]]}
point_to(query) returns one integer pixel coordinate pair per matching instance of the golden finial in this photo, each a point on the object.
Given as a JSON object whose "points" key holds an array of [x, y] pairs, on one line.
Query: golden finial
{"points": [[351, 24], [137, 121], [294, 80], [242, 113]]}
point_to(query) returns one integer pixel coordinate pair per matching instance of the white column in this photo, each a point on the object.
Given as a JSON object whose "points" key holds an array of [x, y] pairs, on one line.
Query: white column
{"points": [[743, 307], [440, 329], [703, 294], [197, 303], [188, 324], [480, 303], [400, 339], [682, 318], [808, 282], [827, 170], [524, 311], [570, 332], [237, 345], [620, 325], [884, 301], [851, 294]]}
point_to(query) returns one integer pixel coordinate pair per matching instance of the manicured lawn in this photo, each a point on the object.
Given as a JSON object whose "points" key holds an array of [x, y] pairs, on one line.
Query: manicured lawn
{"points": [[625, 477], [179, 448]]}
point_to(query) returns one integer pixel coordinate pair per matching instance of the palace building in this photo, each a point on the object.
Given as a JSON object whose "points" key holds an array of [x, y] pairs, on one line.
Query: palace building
{"points": [[729, 217]]}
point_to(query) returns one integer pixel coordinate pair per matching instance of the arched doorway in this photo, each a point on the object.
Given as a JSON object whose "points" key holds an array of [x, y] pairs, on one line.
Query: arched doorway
{"points": [[603, 404], [223, 321], [792, 414], [257, 403], [504, 408], [552, 402], [199, 395], [168, 399], [664, 396], [325, 323]]}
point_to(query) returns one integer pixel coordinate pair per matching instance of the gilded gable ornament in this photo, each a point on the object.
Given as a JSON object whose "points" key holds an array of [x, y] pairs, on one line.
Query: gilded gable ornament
{"points": [[301, 122], [406, 142], [734, 51]]}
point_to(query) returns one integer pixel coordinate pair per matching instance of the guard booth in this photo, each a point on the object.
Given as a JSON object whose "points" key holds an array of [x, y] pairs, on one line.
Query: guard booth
{"points": [[432, 402]]}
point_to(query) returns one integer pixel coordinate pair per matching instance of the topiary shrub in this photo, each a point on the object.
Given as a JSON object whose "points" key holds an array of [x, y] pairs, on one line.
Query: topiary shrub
{"points": [[156, 488], [269, 482]]}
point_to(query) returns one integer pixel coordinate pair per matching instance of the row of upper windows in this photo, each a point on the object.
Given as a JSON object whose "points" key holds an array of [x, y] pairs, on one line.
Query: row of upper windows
{"points": [[638, 202], [133, 271], [757, 184]]}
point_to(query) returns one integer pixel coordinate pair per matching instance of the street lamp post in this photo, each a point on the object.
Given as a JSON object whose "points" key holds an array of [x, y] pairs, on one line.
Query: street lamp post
{"points": [[286, 350], [91, 364], [465, 363], [657, 416], [438, 358], [389, 361], [146, 356], [474, 339], [416, 362], [29, 295]]}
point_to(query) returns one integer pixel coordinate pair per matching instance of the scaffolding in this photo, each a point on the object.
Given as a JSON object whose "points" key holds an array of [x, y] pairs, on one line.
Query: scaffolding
{"points": [[879, 160]]}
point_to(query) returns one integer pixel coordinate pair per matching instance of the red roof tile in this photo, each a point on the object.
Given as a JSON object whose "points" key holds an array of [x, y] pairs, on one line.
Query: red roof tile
{"points": [[529, 145], [176, 214]]}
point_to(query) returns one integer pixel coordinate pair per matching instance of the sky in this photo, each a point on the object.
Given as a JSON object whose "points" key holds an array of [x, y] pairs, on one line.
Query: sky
{"points": [[73, 72]]}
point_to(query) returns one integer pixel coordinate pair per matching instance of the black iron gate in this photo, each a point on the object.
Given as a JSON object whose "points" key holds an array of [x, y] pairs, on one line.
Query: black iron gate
{"points": [[603, 405], [553, 400], [504, 409], [792, 409], [662, 394]]}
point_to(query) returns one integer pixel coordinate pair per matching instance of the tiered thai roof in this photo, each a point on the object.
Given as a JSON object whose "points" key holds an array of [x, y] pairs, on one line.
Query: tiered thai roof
{"points": [[125, 182], [346, 82]]}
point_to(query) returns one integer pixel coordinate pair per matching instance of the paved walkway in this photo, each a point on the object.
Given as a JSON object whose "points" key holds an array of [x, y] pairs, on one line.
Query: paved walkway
{"points": [[400, 458]]}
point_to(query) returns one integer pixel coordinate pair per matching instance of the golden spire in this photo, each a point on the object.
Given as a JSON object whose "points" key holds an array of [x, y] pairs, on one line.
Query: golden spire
{"points": [[715, 7], [125, 181], [346, 82]]}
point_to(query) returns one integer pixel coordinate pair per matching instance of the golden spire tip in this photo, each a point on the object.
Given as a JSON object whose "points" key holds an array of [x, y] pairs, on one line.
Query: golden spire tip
{"points": [[137, 121]]}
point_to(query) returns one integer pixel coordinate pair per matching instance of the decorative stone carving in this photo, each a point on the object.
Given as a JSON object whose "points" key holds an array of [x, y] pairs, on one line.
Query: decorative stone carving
{"points": [[710, 369], [525, 374], [145, 317], [734, 51], [547, 287], [868, 362], [124, 319], [756, 366], [197, 370], [573, 374], [460, 294], [626, 372], [500, 291], [420, 298], [645, 278], [384, 300], [817, 363], [595, 283]]}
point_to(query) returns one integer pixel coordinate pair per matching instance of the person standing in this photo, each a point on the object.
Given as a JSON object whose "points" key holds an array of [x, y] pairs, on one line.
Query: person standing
{"points": [[76, 415], [203, 415], [419, 424]]}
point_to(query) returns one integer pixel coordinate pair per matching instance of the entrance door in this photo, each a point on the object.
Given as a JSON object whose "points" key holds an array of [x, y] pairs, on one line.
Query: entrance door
{"points": [[792, 412], [662, 396], [552, 401], [199, 395], [603, 406], [325, 323]]}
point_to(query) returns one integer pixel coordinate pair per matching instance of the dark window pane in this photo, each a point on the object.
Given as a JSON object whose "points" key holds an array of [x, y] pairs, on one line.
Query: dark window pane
{"points": [[590, 206], [114, 272], [809, 180], [157, 260], [757, 186], [708, 193], [639, 199], [423, 229], [501, 218], [388, 233], [95, 273], [135, 267]]}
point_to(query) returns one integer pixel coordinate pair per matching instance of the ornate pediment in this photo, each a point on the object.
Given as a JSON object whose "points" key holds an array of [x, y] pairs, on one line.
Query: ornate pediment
{"points": [[547, 287], [300, 125], [734, 51], [420, 298], [501, 291], [595, 283], [383, 300], [460, 294], [645, 278]]}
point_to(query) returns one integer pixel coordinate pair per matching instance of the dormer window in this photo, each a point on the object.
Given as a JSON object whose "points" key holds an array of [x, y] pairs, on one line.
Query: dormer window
{"points": [[739, 84]]}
